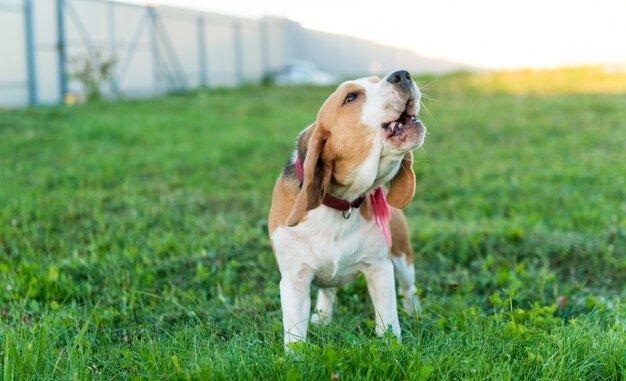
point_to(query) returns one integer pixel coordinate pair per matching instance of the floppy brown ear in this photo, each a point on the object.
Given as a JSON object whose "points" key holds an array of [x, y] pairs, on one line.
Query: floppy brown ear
{"points": [[402, 186], [317, 174]]}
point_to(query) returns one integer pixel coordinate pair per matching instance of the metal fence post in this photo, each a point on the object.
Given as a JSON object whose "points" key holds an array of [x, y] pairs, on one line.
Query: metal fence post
{"points": [[202, 53], [154, 47], [61, 49], [30, 52], [265, 53], [113, 44], [238, 52]]}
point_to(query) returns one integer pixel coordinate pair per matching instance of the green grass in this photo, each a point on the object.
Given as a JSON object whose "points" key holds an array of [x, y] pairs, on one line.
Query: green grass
{"points": [[133, 240]]}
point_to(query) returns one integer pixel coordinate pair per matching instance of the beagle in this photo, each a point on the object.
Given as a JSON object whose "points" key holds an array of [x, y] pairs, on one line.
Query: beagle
{"points": [[331, 219]]}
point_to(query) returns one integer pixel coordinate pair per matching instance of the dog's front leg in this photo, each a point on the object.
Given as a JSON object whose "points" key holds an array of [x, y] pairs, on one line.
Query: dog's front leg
{"points": [[382, 289], [295, 299]]}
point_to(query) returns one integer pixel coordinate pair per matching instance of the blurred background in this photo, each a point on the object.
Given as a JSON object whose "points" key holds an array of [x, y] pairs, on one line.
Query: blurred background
{"points": [[139, 145], [70, 50]]}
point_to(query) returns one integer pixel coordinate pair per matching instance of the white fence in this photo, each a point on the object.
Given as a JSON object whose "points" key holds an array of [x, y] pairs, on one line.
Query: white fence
{"points": [[161, 49]]}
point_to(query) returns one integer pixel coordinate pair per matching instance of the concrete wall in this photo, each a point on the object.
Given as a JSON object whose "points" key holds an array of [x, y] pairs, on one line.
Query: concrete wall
{"points": [[13, 74], [165, 49]]}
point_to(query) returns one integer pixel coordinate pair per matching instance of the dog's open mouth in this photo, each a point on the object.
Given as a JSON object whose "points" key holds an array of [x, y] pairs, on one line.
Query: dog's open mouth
{"points": [[396, 127]]}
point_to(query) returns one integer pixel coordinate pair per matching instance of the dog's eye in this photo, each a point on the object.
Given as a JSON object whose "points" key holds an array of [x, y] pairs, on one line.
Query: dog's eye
{"points": [[350, 97]]}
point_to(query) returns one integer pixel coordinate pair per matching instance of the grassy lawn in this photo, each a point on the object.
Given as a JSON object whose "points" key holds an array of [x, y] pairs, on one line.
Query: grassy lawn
{"points": [[133, 239]]}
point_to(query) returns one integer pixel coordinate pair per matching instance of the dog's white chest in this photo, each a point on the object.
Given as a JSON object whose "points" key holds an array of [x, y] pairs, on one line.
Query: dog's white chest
{"points": [[335, 248]]}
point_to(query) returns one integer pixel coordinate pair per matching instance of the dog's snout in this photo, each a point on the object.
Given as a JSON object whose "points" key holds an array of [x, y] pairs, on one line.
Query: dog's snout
{"points": [[400, 78]]}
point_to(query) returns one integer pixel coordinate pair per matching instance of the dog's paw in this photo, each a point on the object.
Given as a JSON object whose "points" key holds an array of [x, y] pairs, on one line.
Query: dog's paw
{"points": [[411, 305], [319, 318]]}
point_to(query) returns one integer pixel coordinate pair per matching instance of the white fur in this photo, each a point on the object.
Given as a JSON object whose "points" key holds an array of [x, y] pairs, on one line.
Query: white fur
{"points": [[324, 306], [384, 103], [405, 272], [363, 178], [327, 250]]}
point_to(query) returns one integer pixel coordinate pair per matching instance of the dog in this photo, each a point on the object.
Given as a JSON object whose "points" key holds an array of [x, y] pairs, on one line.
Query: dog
{"points": [[331, 218]]}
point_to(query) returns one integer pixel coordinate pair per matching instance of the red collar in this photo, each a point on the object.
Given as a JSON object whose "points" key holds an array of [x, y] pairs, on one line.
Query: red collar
{"points": [[330, 200], [382, 213]]}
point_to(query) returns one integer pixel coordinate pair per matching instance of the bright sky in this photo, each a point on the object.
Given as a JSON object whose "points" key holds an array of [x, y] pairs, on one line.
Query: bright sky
{"points": [[489, 33]]}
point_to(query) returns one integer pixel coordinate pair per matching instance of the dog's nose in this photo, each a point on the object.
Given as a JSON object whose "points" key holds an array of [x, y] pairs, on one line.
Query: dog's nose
{"points": [[400, 78]]}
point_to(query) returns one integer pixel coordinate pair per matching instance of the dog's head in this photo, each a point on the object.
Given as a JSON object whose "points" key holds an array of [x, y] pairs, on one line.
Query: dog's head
{"points": [[363, 137]]}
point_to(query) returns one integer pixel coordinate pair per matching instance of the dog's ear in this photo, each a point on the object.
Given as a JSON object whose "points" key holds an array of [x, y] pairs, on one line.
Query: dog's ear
{"points": [[317, 173], [402, 186]]}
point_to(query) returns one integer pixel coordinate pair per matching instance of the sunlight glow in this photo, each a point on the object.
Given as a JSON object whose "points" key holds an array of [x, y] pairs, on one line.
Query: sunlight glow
{"points": [[487, 33]]}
